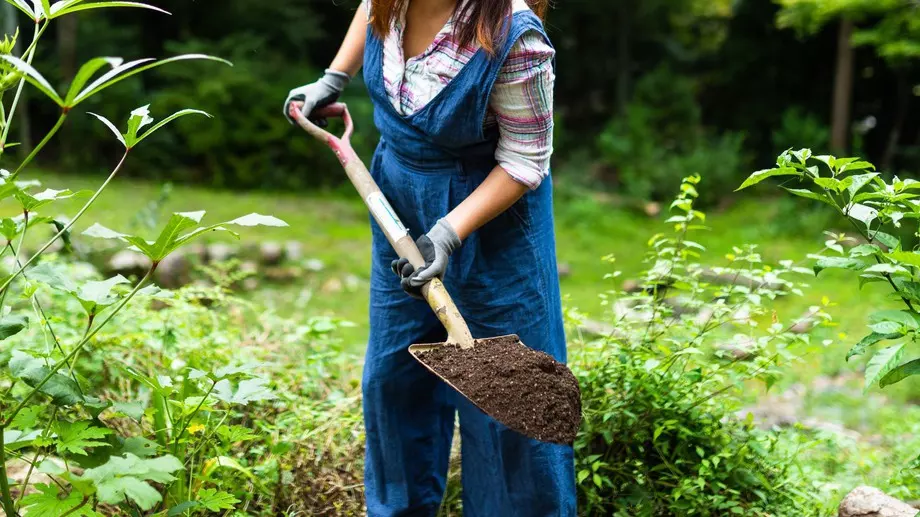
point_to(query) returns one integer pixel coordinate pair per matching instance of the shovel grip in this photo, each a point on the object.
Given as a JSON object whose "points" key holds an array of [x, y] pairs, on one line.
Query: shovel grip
{"points": [[398, 236]]}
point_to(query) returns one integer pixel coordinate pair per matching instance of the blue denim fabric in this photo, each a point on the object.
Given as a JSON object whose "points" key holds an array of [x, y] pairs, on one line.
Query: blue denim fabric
{"points": [[504, 281]]}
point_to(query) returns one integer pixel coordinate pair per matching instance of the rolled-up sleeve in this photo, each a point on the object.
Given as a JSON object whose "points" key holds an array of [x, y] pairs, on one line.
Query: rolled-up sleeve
{"points": [[522, 100]]}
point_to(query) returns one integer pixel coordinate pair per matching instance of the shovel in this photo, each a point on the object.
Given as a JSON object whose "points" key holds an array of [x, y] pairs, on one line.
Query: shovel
{"points": [[526, 390]]}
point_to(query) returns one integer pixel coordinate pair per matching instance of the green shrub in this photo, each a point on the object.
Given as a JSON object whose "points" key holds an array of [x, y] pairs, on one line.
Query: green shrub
{"points": [[660, 139], [799, 126], [660, 394], [880, 211]]}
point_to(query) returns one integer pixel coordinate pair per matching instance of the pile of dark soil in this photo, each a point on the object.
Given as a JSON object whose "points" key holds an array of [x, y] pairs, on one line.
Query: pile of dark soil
{"points": [[528, 391]]}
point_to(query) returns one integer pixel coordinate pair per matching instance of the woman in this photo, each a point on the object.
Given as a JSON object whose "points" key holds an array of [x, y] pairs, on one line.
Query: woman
{"points": [[462, 94]]}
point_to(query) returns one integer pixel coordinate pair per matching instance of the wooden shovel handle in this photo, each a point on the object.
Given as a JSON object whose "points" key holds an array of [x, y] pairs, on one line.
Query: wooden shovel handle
{"points": [[434, 291]]}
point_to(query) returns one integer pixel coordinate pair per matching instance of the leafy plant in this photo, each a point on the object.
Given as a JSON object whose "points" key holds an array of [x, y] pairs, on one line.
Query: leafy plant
{"points": [[50, 410], [879, 210], [662, 384]]}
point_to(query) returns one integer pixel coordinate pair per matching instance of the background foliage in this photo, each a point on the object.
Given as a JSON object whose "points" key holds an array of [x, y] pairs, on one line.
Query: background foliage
{"points": [[646, 90]]}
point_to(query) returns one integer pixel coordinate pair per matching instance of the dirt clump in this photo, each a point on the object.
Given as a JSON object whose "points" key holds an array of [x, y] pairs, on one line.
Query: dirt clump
{"points": [[526, 390]]}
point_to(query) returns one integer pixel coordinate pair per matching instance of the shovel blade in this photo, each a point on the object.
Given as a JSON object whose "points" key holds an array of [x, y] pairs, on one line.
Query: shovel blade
{"points": [[526, 390]]}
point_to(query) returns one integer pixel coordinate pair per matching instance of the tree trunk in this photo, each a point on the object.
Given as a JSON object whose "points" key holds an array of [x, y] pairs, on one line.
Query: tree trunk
{"points": [[624, 66], [67, 57], [843, 88], [894, 137]]}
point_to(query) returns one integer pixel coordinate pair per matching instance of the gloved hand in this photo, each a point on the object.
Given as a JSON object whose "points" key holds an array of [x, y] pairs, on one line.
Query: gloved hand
{"points": [[317, 95], [436, 247]]}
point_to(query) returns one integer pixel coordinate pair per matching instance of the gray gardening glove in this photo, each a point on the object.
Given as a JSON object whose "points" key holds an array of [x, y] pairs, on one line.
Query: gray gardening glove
{"points": [[317, 95], [436, 247]]}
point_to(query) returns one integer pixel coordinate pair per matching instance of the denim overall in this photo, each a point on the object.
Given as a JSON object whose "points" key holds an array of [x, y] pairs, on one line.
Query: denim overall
{"points": [[504, 281]]}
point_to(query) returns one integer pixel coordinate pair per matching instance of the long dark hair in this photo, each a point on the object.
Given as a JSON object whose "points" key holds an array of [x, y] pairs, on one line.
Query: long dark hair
{"points": [[486, 19]]}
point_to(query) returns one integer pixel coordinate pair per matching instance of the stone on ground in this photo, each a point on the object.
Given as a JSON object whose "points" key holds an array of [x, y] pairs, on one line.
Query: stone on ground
{"points": [[866, 501]]}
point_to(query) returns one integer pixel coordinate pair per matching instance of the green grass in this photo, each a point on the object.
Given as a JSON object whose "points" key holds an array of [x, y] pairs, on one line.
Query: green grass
{"points": [[333, 228]]}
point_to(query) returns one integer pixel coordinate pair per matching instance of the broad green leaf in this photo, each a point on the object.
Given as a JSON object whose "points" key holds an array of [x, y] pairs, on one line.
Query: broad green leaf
{"points": [[182, 508], [861, 213], [761, 175], [866, 342], [130, 69], [47, 196], [248, 390], [24, 7], [105, 4], [123, 67], [169, 119], [905, 257], [856, 166], [883, 362], [133, 410], [46, 8], [51, 275], [865, 250], [838, 263], [886, 269], [889, 241], [829, 184], [15, 439], [859, 181], [101, 232], [807, 194], [125, 478], [12, 324], [887, 328], [75, 437], [27, 418], [166, 241], [215, 500], [908, 289], [97, 295], [906, 318], [50, 502], [211, 465], [257, 220], [112, 128], [33, 77], [10, 228], [900, 373], [139, 118], [139, 446], [62, 389], [802, 155]]}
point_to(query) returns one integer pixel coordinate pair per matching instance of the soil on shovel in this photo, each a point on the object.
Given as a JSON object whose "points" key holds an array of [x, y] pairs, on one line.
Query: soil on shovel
{"points": [[524, 389]]}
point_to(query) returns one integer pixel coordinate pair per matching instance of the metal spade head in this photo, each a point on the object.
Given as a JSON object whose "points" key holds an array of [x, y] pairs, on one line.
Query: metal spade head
{"points": [[526, 390]]}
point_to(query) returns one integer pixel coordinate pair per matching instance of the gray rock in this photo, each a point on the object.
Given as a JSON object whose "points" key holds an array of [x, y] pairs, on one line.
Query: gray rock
{"points": [[740, 349], [315, 265], [173, 271], [866, 501], [293, 251], [249, 267], [271, 253], [563, 270], [631, 286], [220, 252], [128, 262]]}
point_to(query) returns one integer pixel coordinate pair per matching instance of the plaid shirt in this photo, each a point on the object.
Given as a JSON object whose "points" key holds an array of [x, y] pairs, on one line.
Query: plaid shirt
{"points": [[522, 97]]}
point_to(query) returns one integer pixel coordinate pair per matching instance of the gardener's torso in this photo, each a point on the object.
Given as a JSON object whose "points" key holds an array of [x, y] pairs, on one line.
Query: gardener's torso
{"points": [[456, 106]]}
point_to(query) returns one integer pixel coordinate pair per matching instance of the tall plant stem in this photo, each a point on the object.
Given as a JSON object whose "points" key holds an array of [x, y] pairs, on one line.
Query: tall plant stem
{"points": [[5, 497], [29, 54], [76, 350], [38, 148], [69, 225]]}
